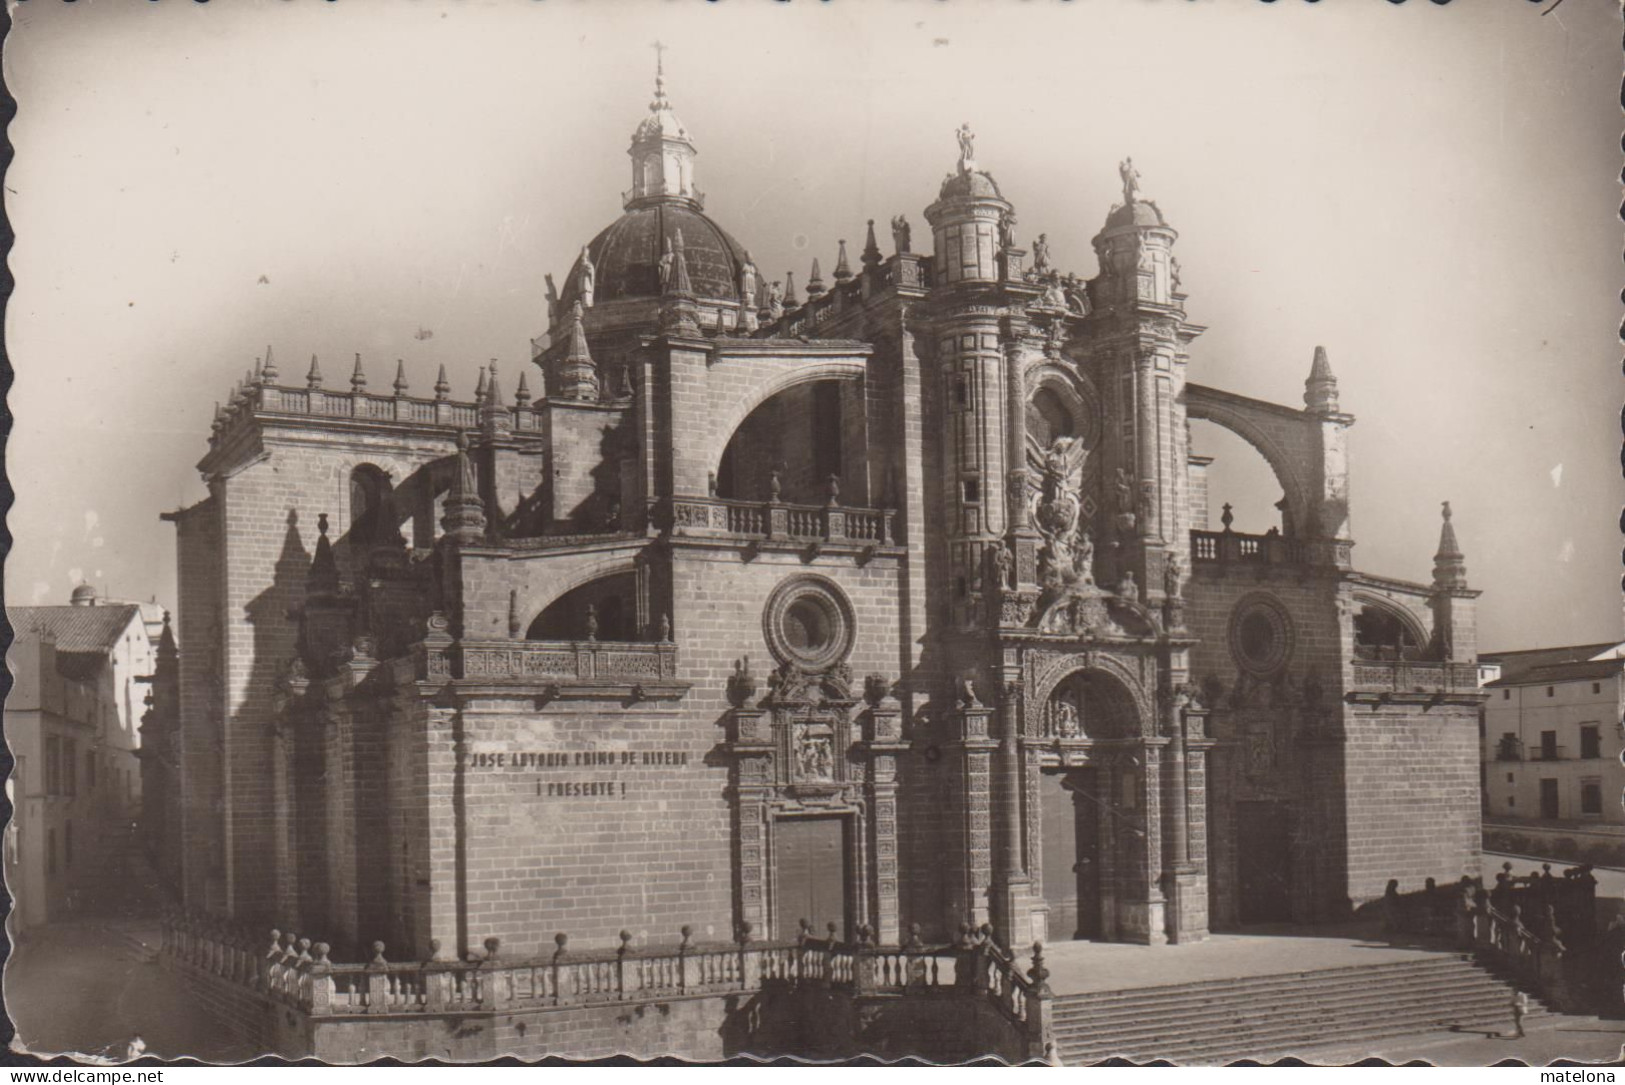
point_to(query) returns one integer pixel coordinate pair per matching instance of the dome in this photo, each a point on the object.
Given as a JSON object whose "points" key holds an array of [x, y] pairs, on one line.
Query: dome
{"points": [[661, 123], [83, 596], [975, 184], [1138, 213], [626, 256]]}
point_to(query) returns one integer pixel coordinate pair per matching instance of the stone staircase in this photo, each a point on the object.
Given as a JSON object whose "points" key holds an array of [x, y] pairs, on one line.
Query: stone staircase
{"points": [[1267, 1017]]}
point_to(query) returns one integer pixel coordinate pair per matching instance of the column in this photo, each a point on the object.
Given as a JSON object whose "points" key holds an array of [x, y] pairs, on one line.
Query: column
{"points": [[1014, 886], [975, 816]]}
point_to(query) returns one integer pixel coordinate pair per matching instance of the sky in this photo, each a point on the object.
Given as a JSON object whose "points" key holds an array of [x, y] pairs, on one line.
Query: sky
{"points": [[1427, 191]]}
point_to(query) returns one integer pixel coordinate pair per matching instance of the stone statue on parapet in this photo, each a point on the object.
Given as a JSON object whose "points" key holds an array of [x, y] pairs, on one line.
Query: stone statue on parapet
{"points": [[900, 234], [967, 148], [589, 278], [1041, 254], [1131, 180]]}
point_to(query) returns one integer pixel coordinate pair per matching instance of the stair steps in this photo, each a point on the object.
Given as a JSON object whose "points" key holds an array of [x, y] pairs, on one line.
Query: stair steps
{"points": [[1262, 1016]]}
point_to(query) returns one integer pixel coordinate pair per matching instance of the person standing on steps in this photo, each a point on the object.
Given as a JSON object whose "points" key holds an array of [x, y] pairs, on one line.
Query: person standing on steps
{"points": [[1520, 1006]]}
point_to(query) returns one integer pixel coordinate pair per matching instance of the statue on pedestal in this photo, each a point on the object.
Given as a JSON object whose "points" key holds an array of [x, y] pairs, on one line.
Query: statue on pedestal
{"points": [[1131, 180], [967, 148]]}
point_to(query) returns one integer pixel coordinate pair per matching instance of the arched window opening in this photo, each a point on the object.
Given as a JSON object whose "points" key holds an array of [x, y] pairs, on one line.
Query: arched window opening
{"points": [[804, 435], [1379, 633], [1087, 705], [1226, 470], [602, 609], [1048, 418], [372, 520]]}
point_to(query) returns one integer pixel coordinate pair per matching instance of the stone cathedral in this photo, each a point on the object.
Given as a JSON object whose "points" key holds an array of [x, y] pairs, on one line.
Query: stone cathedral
{"points": [[891, 603]]}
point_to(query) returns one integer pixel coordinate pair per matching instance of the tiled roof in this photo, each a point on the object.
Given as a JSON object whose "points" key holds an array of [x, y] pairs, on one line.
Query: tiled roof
{"points": [[75, 629], [1514, 664], [1560, 672]]}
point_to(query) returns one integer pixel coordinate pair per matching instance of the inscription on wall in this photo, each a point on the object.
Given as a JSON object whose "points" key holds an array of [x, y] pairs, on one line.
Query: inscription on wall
{"points": [[545, 762]]}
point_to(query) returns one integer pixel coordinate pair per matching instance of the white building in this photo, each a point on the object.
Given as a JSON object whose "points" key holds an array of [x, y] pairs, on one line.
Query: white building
{"points": [[72, 723], [1553, 734]]}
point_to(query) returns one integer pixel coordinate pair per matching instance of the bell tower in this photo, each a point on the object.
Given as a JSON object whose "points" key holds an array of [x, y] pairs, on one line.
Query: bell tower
{"points": [[967, 303], [1142, 349]]}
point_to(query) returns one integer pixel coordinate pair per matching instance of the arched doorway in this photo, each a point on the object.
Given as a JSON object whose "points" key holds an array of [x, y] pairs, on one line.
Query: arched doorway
{"points": [[1090, 807]]}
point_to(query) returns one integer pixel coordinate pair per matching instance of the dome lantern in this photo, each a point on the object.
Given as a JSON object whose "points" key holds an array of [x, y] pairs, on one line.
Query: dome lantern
{"points": [[662, 153]]}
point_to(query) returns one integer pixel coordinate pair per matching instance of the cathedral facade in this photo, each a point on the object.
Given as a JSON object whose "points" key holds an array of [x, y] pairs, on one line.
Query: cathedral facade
{"points": [[892, 605]]}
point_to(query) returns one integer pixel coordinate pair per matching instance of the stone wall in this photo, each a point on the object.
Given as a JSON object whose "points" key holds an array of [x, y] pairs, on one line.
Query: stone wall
{"points": [[1412, 797], [582, 818]]}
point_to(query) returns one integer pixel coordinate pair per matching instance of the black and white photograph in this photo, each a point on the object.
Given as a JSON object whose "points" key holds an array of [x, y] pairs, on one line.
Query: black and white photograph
{"points": [[1071, 532]]}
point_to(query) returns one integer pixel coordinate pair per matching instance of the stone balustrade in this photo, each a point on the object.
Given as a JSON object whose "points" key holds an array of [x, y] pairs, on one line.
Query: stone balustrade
{"points": [[1231, 547], [296, 972], [1412, 676], [1539, 929], [779, 521], [600, 662], [270, 399]]}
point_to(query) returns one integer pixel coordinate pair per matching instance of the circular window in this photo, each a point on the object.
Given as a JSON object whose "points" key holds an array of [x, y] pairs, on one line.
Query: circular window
{"points": [[808, 623], [1260, 634]]}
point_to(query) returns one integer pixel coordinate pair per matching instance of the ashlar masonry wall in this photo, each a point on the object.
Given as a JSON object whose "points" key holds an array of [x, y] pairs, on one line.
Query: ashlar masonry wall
{"points": [[582, 818]]}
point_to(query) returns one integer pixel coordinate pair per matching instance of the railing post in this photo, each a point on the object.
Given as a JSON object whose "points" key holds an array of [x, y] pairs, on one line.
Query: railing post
{"points": [[688, 968], [267, 959], [493, 991], [321, 984], [378, 981], [560, 941], [983, 956], [1040, 1009], [436, 980], [620, 965], [863, 963], [750, 961], [914, 966]]}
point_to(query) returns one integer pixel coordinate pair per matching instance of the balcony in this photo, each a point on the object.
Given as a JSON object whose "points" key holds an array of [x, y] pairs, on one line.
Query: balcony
{"points": [[1413, 682], [776, 521], [1547, 753], [1509, 749], [1230, 547], [641, 671]]}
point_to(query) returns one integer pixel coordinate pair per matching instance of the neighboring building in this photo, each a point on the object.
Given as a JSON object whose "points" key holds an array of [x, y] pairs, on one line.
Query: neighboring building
{"points": [[71, 723], [888, 606], [1553, 734]]}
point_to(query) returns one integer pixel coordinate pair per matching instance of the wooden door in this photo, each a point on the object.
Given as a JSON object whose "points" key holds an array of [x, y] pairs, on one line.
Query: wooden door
{"points": [[1264, 862], [1071, 854], [810, 854], [1548, 799]]}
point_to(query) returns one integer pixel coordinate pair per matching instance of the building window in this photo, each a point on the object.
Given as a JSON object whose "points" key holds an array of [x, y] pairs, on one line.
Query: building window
{"points": [[972, 490], [809, 624], [1590, 742], [1261, 634], [70, 768], [1506, 695], [1509, 777], [1596, 687], [50, 851], [1549, 748], [1512, 800], [1591, 797], [1548, 691]]}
